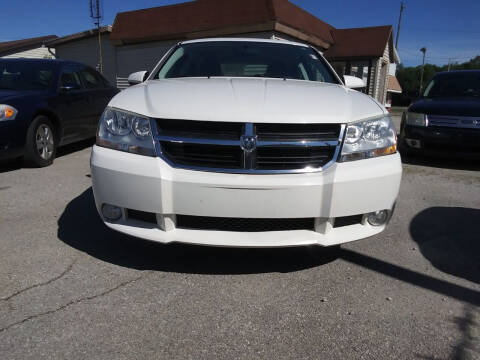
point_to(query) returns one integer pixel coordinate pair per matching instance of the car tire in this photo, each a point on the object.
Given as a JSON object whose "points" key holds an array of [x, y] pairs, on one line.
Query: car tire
{"points": [[41, 142]]}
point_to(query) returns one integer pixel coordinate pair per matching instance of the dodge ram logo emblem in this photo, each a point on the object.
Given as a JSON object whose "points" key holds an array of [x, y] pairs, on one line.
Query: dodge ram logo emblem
{"points": [[248, 143]]}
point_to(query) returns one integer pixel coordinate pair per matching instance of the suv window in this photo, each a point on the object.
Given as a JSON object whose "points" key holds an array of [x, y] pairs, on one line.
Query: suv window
{"points": [[92, 79], [70, 76]]}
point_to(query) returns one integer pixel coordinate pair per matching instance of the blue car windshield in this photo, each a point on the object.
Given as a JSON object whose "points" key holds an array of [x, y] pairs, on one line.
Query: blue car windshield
{"points": [[25, 75], [454, 84], [246, 59]]}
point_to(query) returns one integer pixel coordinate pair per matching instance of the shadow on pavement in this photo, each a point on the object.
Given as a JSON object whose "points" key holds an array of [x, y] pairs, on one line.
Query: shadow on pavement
{"points": [[16, 164], [468, 346], [10, 165], [71, 148], [449, 237], [81, 227]]}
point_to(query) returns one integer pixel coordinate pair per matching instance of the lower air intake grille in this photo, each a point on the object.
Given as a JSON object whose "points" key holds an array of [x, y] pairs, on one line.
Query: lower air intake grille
{"points": [[243, 224], [142, 216], [347, 220]]}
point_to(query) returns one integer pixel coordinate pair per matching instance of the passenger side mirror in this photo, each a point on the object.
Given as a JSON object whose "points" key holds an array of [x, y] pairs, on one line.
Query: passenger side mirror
{"points": [[353, 82], [66, 87], [137, 77]]}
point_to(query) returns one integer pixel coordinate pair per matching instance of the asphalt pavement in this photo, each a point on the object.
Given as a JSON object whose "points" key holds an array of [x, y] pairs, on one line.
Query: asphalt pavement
{"points": [[70, 288]]}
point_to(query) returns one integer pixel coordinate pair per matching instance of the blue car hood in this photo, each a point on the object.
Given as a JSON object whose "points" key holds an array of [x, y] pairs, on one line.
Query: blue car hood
{"points": [[447, 106], [6, 94]]}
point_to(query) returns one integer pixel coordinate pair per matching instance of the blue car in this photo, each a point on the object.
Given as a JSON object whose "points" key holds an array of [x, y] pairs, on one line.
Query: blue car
{"points": [[445, 121], [45, 104]]}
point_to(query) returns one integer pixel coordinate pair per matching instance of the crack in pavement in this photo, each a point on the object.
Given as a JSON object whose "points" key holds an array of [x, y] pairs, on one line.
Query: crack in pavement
{"points": [[64, 272], [73, 302]]}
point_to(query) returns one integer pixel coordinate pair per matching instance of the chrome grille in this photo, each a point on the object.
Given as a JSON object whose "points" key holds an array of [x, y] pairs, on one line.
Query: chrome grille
{"points": [[466, 122], [234, 147]]}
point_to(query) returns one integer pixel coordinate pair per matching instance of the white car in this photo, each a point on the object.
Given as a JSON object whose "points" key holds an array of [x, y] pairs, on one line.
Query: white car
{"points": [[245, 143]]}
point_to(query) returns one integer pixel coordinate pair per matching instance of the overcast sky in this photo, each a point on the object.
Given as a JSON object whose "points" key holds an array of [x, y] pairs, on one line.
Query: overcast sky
{"points": [[449, 29]]}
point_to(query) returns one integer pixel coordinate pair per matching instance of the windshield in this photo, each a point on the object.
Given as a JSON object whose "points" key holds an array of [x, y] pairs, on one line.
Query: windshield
{"points": [[454, 85], [18, 75], [246, 59]]}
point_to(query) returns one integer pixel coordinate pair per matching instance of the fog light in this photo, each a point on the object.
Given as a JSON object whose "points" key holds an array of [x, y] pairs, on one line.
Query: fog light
{"points": [[414, 143], [378, 218], [111, 212]]}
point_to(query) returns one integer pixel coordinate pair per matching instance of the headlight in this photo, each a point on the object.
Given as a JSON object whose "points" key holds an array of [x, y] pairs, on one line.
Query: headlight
{"points": [[125, 131], [7, 112], [369, 138], [416, 119]]}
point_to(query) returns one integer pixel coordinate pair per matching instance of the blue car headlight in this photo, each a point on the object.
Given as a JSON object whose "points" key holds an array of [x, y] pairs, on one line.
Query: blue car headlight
{"points": [[7, 112], [416, 119]]}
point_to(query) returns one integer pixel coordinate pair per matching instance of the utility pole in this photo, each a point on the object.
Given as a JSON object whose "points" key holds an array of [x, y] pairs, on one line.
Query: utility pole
{"points": [[96, 15], [402, 7], [423, 50], [449, 64]]}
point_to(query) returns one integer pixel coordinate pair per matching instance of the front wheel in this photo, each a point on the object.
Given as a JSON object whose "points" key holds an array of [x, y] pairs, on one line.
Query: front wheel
{"points": [[41, 144]]}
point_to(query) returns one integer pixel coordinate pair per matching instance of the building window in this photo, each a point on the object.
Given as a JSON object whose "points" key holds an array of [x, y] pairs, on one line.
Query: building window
{"points": [[360, 69], [340, 67]]}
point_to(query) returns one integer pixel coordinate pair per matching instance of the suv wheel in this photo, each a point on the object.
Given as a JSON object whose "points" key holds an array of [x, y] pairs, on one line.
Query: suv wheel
{"points": [[41, 144]]}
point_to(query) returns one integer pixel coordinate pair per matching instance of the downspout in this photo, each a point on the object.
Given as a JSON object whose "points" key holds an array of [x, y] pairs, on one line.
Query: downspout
{"points": [[50, 51]]}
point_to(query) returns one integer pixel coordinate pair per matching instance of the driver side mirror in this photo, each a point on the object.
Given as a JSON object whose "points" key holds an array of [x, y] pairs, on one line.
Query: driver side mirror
{"points": [[137, 77], [353, 82]]}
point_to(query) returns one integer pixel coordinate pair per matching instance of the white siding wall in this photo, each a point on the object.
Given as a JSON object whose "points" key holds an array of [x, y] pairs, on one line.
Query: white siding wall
{"points": [[376, 82], [86, 51], [383, 76], [37, 53], [138, 57]]}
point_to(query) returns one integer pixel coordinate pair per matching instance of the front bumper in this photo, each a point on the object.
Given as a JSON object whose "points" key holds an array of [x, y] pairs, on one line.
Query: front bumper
{"points": [[443, 141], [12, 139], [151, 185]]}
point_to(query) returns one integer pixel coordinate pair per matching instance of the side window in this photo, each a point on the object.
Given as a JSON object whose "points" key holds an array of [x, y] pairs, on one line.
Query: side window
{"points": [[92, 79], [70, 77]]}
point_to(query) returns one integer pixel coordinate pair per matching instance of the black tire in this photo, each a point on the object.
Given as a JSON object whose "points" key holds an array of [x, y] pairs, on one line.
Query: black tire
{"points": [[41, 142]]}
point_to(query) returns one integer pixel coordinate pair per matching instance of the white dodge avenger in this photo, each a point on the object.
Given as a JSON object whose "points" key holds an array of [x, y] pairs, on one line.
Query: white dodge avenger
{"points": [[245, 142]]}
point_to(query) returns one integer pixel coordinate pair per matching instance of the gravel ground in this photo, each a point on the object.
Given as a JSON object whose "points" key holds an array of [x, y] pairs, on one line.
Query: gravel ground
{"points": [[72, 289]]}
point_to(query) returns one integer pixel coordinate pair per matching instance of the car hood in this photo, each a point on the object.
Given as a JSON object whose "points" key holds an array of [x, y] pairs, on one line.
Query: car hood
{"points": [[6, 95], [247, 100], [447, 106]]}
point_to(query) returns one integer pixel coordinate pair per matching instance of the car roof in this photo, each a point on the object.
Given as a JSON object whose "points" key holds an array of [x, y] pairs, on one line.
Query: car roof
{"points": [[271, 41], [452, 72], [41, 61]]}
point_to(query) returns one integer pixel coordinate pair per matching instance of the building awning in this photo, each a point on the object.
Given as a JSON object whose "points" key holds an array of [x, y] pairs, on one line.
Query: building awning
{"points": [[393, 85], [9, 47], [214, 18], [360, 43], [80, 36]]}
